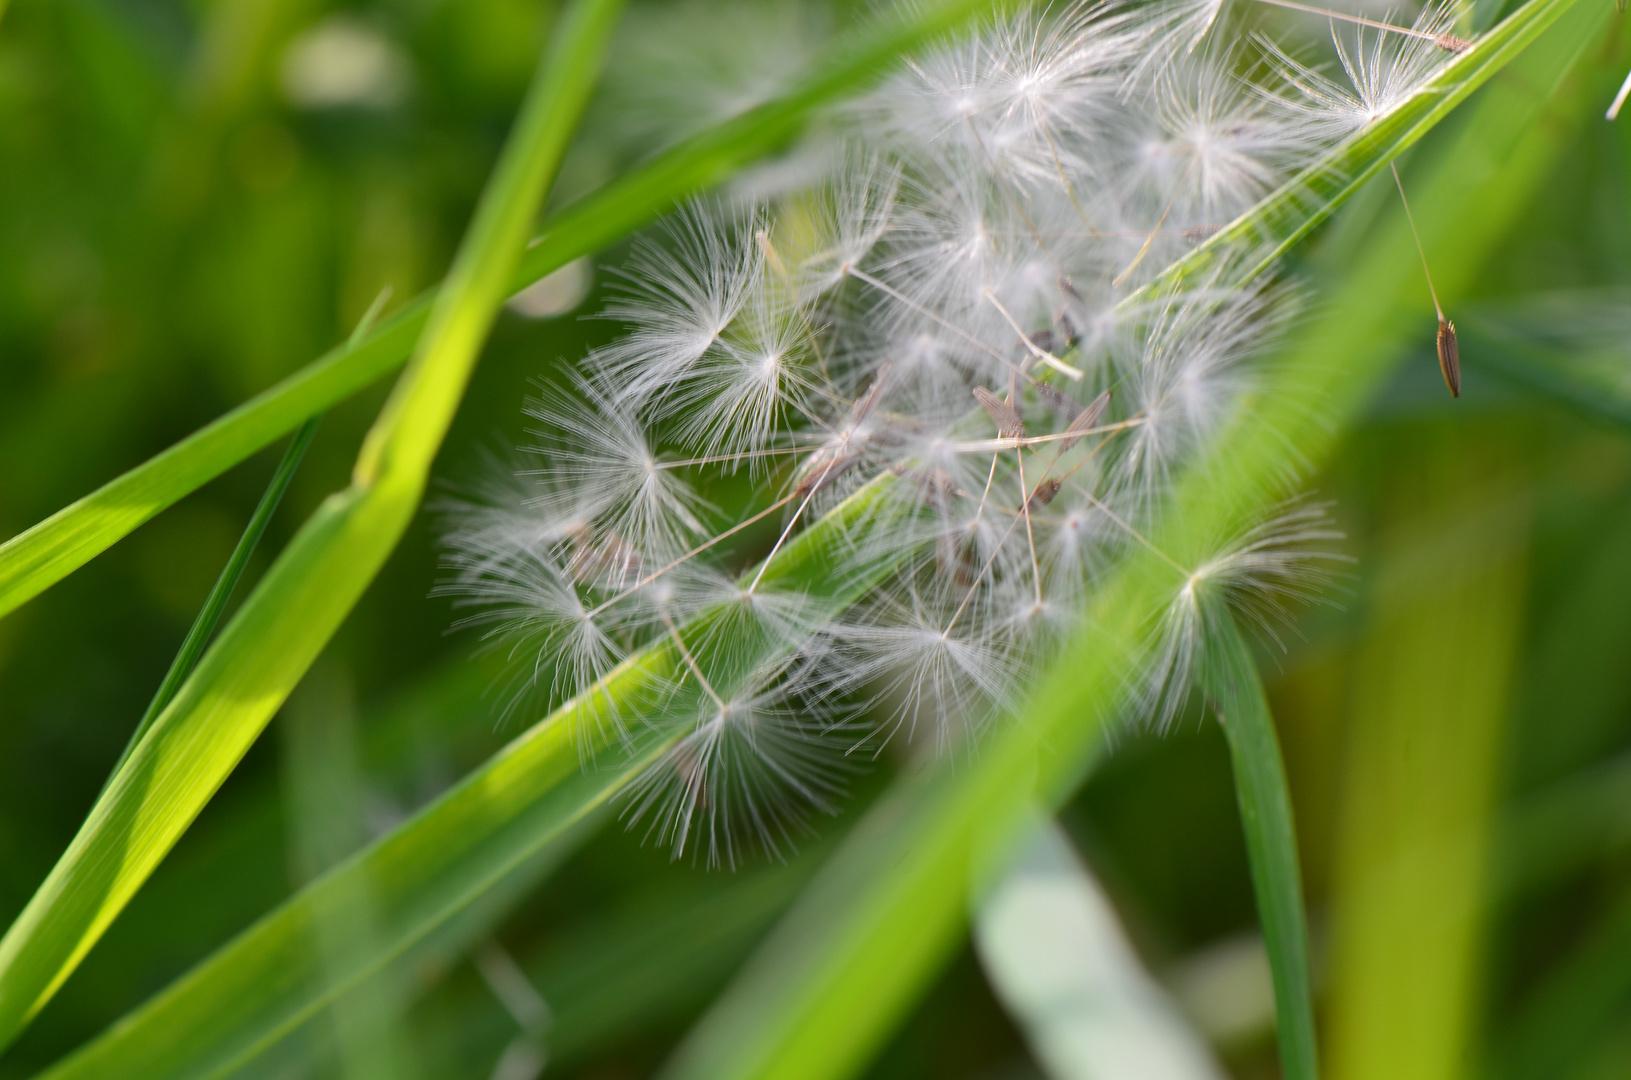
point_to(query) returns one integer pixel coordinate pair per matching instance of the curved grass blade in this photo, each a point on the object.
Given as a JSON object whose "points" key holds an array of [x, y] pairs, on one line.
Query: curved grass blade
{"points": [[266, 648], [32, 561], [891, 905], [1229, 676], [888, 909], [532, 797]]}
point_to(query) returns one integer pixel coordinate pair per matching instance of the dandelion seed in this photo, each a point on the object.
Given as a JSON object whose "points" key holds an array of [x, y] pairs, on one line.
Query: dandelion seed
{"points": [[1004, 415], [1085, 421], [1445, 41]]}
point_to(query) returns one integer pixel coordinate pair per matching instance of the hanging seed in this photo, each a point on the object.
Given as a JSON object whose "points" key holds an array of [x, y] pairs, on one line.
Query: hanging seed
{"points": [[1452, 44], [1002, 414], [1449, 356], [1196, 233], [1085, 421]]}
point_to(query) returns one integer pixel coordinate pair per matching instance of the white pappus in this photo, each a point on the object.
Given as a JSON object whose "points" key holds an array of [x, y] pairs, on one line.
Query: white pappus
{"points": [[862, 456]]}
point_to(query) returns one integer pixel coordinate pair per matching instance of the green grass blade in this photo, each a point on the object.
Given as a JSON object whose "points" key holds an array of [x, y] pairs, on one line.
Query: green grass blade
{"points": [[891, 905], [209, 616], [32, 561], [846, 963], [266, 648], [1230, 678], [608, 976], [530, 799]]}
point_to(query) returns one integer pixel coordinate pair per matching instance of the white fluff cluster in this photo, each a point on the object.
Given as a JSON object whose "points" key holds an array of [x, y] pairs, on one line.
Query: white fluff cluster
{"points": [[946, 385]]}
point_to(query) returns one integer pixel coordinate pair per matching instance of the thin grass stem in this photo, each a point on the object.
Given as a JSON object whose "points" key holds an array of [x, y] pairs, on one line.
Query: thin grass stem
{"points": [[1230, 679]]}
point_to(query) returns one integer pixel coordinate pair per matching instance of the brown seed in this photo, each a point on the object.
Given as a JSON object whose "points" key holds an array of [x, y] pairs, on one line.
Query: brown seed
{"points": [[1060, 403], [1002, 414], [1043, 495], [1449, 356], [1453, 44], [1085, 421], [1196, 233], [824, 467]]}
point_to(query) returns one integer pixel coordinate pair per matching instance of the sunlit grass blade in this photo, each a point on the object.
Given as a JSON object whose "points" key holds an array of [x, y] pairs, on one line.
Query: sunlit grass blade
{"points": [[1060, 963], [46, 553], [1299, 207], [264, 651], [892, 902], [879, 919], [527, 803], [1230, 679], [209, 616]]}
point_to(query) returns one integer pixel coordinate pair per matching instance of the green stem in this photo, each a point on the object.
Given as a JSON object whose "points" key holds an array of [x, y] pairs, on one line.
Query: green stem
{"points": [[1230, 678]]}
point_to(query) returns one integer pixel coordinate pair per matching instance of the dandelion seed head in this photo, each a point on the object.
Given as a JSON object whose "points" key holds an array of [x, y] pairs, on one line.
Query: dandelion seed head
{"points": [[858, 463]]}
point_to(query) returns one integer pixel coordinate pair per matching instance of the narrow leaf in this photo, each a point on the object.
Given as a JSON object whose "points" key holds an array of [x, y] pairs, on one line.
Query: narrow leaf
{"points": [[245, 676], [887, 910], [37, 558], [209, 616], [845, 964], [1535, 367], [529, 802], [1229, 676]]}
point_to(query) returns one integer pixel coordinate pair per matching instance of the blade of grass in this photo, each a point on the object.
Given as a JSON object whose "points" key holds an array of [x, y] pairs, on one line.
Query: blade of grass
{"points": [[850, 957], [35, 559], [1229, 677], [248, 672], [209, 616], [530, 799], [530, 794], [1430, 706], [612, 975]]}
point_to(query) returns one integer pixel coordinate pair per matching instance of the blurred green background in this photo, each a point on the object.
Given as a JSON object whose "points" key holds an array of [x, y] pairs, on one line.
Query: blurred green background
{"points": [[198, 198]]}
